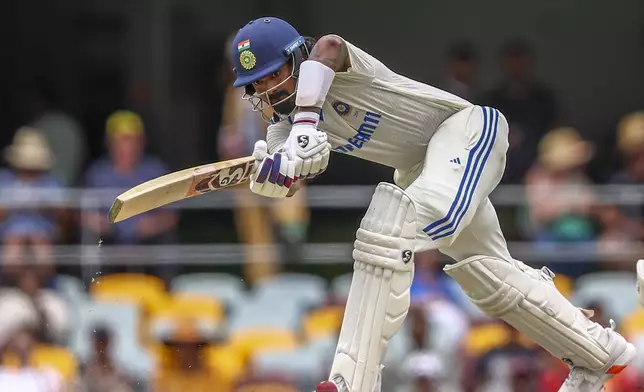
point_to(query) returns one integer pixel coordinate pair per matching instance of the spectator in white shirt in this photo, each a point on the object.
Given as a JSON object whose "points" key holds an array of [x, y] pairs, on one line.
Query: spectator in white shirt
{"points": [[24, 377]]}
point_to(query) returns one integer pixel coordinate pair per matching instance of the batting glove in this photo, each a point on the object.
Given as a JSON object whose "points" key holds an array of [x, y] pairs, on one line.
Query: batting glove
{"points": [[274, 174], [307, 146]]}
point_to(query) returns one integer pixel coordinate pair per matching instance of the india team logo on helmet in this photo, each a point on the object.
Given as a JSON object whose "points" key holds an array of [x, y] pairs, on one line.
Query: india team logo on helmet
{"points": [[247, 59], [274, 43]]}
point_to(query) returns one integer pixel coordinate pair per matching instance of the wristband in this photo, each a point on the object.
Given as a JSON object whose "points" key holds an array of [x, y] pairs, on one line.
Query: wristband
{"points": [[311, 118], [313, 84]]}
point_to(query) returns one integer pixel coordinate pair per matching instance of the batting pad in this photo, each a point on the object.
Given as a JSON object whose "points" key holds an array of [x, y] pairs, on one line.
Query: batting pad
{"points": [[528, 300], [379, 296]]}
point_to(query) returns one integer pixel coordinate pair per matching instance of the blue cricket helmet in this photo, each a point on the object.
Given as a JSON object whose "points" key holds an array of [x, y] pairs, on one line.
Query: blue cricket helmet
{"points": [[261, 47]]}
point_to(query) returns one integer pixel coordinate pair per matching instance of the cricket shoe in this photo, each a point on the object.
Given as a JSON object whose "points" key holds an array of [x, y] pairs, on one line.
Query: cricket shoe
{"points": [[582, 379]]}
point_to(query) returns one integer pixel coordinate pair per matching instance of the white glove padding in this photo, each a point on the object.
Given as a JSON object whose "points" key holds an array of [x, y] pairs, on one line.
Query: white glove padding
{"points": [[274, 174], [308, 147]]}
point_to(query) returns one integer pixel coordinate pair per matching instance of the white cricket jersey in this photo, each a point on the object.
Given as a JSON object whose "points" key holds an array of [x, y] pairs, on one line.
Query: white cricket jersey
{"points": [[378, 115]]}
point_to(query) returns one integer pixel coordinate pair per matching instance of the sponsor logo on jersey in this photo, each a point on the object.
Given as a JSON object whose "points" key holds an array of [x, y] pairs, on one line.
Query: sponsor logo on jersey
{"points": [[365, 132], [341, 108]]}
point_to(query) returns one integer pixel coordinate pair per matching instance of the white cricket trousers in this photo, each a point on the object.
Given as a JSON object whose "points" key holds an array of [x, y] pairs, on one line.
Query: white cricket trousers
{"points": [[465, 161]]}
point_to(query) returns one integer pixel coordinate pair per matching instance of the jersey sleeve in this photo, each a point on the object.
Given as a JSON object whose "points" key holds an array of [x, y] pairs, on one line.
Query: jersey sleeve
{"points": [[276, 135], [361, 62]]}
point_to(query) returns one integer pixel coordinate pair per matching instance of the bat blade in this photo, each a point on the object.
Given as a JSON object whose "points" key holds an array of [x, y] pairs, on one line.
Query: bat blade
{"points": [[180, 185]]}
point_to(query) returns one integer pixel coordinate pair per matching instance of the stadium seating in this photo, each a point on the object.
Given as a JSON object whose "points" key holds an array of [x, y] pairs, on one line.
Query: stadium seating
{"points": [[484, 338], [565, 285], [251, 342], [287, 324], [303, 363], [614, 290], [59, 358], [226, 288], [122, 320], [44, 356], [323, 322], [72, 289], [227, 361], [191, 305], [340, 286], [632, 326], [302, 289], [144, 290], [258, 313]]}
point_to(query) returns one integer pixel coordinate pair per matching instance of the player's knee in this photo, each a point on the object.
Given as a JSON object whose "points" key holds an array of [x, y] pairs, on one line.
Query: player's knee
{"points": [[390, 223]]}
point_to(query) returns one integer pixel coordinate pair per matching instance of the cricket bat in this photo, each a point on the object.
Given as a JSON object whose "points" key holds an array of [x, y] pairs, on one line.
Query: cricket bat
{"points": [[180, 185]]}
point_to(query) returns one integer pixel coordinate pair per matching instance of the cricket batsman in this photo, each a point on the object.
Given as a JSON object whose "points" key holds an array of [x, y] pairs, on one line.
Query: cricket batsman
{"points": [[448, 155]]}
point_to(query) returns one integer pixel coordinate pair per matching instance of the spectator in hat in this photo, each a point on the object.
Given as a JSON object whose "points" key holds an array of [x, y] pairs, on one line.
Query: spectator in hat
{"points": [[185, 365], [626, 221], [30, 202], [559, 193], [125, 166], [624, 224]]}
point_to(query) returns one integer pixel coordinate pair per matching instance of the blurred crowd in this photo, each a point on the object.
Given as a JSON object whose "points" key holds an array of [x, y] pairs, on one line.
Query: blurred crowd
{"points": [[140, 328]]}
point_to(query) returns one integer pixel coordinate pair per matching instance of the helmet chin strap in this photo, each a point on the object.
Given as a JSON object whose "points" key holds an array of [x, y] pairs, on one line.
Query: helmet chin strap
{"points": [[283, 107]]}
